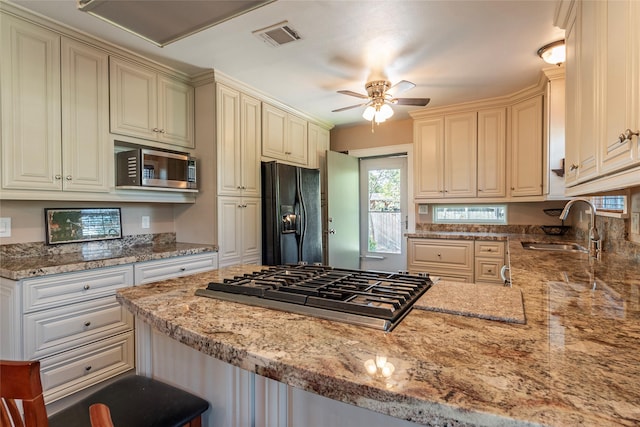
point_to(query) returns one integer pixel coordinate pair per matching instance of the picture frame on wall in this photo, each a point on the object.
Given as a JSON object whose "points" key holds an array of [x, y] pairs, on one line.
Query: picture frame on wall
{"points": [[82, 225]]}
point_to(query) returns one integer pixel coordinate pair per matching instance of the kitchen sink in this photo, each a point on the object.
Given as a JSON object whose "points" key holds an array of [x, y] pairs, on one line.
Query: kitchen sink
{"points": [[554, 246]]}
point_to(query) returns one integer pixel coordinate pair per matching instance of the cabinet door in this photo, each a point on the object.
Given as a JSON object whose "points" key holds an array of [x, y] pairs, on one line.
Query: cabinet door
{"points": [[250, 140], [86, 150], [460, 142], [429, 158], [228, 141], [621, 82], [526, 148], [572, 99], [229, 231], [492, 145], [251, 231], [318, 145], [589, 110], [297, 149], [30, 83], [175, 112], [274, 122], [133, 96]]}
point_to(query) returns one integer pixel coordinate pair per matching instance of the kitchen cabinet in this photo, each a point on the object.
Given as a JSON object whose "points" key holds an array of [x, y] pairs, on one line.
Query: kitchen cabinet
{"points": [[73, 324], [461, 155], [169, 268], [447, 259], [492, 147], [457, 260], [619, 81], [54, 111], [527, 147], [239, 230], [150, 105], [603, 69], [319, 144], [284, 136], [239, 134]]}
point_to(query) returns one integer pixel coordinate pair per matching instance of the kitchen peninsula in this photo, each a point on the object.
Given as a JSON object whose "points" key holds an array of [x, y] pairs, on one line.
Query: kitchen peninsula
{"points": [[576, 361]]}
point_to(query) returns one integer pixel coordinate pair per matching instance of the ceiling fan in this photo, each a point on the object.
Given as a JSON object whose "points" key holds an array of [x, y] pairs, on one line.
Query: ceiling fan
{"points": [[380, 96]]}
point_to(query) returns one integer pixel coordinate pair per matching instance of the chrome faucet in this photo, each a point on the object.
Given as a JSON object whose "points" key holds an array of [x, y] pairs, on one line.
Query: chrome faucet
{"points": [[594, 237]]}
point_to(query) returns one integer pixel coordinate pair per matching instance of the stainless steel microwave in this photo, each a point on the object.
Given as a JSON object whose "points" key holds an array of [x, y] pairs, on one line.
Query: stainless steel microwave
{"points": [[153, 168]]}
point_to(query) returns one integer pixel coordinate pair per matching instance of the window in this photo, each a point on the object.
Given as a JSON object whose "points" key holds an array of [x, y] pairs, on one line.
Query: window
{"points": [[610, 205], [472, 214]]}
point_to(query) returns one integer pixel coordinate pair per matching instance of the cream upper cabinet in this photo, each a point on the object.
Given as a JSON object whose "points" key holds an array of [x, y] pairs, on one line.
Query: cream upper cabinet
{"points": [[460, 155], [284, 136], [428, 157], [572, 100], [147, 104], [620, 82], [31, 110], [87, 150], [527, 147], [492, 146], [238, 142], [319, 142], [54, 112]]}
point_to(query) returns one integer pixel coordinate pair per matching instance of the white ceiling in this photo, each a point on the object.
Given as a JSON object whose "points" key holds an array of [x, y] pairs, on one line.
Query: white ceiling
{"points": [[453, 50]]}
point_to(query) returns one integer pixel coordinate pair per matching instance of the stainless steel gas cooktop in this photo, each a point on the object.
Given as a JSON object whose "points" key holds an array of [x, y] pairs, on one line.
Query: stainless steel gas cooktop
{"points": [[367, 298]]}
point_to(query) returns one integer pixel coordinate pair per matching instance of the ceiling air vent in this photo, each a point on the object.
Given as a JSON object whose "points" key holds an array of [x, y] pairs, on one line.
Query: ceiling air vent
{"points": [[278, 34]]}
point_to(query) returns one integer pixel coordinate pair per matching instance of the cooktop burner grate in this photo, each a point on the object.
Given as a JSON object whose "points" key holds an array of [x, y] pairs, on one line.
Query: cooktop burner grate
{"points": [[368, 298]]}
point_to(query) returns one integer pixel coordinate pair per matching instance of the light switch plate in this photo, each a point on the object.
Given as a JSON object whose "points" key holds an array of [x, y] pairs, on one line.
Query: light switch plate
{"points": [[145, 221], [635, 223], [5, 227]]}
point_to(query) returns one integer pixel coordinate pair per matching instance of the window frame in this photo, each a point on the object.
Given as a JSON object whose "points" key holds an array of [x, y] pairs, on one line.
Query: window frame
{"points": [[435, 220]]}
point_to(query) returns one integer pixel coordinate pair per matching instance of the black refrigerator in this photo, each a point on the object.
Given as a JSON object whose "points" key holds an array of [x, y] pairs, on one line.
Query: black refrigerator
{"points": [[291, 215]]}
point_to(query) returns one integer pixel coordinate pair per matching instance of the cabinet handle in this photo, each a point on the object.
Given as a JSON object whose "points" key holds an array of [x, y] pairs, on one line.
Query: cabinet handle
{"points": [[87, 324], [182, 268], [58, 177], [480, 189], [489, 250], [490, 271], [68, 178], [87, 368], [627, 135], [439, 254], [155, 130], [513, 188], [573, 167], [86, 287], [163, 131]]}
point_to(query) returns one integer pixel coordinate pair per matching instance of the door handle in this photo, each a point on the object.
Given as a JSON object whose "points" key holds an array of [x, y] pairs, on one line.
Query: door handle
{"points": [[378, 257]]}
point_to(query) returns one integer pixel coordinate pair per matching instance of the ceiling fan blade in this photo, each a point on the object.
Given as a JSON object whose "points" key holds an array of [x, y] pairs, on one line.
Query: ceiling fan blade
{"points": [[401, 86], [348, 108], [411, 101], [351, 93]]}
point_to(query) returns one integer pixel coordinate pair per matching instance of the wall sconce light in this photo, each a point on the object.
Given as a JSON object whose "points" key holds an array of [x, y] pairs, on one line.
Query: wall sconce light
{"points": [[553, 53]]}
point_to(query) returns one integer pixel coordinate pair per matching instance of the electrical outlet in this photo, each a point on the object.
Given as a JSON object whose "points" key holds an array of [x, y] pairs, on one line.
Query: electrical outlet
{"points": [[145, 221], [5, 227], [635, 223]]}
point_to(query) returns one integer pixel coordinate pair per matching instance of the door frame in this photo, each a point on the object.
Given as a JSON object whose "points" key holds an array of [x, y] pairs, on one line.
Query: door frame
{"points": [[388, 150]]}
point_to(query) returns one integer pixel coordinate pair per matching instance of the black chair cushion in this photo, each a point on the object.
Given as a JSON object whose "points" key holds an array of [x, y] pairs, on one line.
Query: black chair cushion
{"points": [[136, 401]]}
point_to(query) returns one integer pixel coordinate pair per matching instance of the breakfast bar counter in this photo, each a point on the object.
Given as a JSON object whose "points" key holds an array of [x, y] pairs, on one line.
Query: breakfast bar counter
{"points": [[575, 361]]}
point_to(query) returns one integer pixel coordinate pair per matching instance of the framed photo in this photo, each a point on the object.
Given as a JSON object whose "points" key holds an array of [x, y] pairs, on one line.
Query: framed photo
{"points": [[82, 225]]}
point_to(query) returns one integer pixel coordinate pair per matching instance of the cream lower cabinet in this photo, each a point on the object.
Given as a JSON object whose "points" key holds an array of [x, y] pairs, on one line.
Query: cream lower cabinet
{"points": [[447, 259], [239, 231], [457, 260], [72, 323], [55, 104], [169, 268]]}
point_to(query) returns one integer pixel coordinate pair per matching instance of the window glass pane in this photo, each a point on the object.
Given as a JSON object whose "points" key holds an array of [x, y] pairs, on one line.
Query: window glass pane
{"points": [[609, 203], [471, 214], [385, 221]]}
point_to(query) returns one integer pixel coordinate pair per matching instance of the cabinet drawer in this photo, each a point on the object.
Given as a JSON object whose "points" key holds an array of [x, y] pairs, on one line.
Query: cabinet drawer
{"points": [[441, 255], [488, 270], [54, 330], [489, 249], [153, 271], [71, 371], [51, 291]]}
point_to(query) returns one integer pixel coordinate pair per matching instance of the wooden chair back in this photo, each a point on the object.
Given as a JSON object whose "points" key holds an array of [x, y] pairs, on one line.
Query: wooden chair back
{"points": [[20, 381]]}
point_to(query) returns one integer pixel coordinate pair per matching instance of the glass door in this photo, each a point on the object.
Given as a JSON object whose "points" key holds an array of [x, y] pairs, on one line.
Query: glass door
{"points": [[383, 213]]}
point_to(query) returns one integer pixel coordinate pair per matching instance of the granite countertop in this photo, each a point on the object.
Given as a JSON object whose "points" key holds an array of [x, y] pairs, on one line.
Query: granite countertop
{"points": [[576, 360], [22, 267]]}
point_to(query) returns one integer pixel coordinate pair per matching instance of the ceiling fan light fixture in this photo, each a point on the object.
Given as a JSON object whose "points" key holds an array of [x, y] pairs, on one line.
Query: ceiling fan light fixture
{"points": [[369, 113], [386, 111], [553, 53]]}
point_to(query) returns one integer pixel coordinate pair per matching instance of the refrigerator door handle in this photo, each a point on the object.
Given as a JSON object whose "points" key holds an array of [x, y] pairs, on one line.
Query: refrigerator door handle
{"points": [[302, 215]]}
